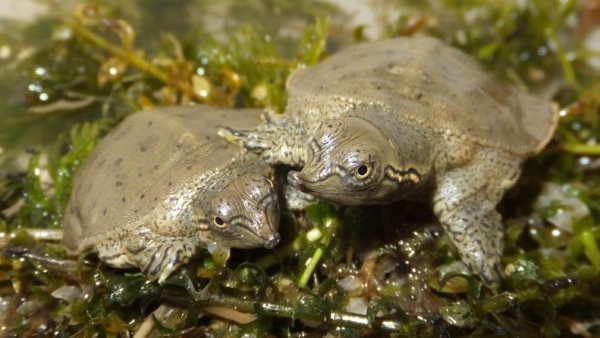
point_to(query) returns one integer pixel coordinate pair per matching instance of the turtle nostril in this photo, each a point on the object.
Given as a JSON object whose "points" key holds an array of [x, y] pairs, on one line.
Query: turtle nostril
{"points": [[272, 241]]}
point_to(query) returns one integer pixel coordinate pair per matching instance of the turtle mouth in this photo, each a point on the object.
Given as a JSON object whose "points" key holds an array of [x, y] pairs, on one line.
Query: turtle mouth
{"points": [[272, 241], [297, 180]]}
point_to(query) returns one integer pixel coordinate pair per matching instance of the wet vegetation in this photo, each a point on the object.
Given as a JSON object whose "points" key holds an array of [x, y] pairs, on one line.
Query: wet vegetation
{"points": [[340, 271]]}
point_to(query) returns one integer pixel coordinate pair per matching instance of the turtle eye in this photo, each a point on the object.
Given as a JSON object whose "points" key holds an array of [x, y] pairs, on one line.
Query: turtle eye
{"points": [[219, 222], [362, 171]]}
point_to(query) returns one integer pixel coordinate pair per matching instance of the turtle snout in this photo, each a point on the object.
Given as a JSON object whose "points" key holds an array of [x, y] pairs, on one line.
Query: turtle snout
{"points": [[272, 241], [295, 179]]}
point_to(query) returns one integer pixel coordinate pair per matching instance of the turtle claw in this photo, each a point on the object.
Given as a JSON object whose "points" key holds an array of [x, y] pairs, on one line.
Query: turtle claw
{"points": [[254, 141], [232, 135], [277, 140]]}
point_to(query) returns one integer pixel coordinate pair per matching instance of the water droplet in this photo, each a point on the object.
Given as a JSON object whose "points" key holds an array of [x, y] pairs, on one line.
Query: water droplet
{"points": [[34, 88], [585, 161], [41, 71]]}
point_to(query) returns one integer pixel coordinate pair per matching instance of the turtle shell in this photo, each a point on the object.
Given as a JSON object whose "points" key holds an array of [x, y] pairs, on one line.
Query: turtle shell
{"points": [[423, 82], [151, 166]]}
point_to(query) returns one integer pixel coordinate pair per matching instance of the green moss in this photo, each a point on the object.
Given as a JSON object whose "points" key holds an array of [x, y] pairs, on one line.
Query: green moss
{"points": [[394, 263]]}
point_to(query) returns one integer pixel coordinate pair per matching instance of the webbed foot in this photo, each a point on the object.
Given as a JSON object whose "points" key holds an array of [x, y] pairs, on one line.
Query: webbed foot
{"points": [[465, 202], [156, 255], [475, 228]]}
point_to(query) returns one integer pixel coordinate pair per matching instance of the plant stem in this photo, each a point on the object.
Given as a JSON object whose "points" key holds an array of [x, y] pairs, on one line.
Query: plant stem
{"points": [[591, 248], [330, 225], [135, 60], [286, 311], [582, 149]]}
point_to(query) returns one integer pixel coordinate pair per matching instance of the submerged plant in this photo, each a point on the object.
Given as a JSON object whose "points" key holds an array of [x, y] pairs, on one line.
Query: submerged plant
{"points": [[342, 271]]}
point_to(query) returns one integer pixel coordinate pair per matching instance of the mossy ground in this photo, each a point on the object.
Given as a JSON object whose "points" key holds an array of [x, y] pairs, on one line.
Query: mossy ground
{"points": [[69, 80]]}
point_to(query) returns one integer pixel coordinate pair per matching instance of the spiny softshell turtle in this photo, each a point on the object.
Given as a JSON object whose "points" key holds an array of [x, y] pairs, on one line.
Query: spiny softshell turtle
{"points": [[162, 184], [390, 120]]}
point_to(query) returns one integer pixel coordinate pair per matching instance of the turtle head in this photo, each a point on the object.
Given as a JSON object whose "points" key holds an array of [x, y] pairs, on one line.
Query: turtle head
{"points": [[244, 213], [351, 162]]}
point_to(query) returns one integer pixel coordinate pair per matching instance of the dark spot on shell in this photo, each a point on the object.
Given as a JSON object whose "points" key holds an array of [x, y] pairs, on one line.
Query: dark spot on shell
{"points": [[104, 212], [140, 174], [123, 199], [419, 96], [169, 183], [135, 211], [118, 162], [188, 167], [143, 148], [156, 167], [155, 199], [118, 183], [142, 196], [150, 123]]}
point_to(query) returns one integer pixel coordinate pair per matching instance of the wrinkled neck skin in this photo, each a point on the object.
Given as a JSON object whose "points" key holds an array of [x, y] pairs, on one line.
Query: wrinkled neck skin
{"points": [[305, 114], [414, 151], [240, 208]]}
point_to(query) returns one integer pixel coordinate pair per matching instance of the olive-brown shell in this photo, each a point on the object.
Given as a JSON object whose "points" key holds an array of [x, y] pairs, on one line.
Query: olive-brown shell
{"points": [[430, 85], [150, 166]]}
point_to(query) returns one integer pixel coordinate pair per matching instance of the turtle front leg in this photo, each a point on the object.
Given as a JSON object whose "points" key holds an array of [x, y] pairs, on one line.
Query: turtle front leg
{"points": [[465, 202], [278, 140], [156, 255], [475, 228], [296, 200]]}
